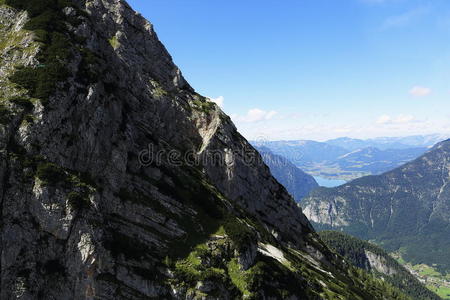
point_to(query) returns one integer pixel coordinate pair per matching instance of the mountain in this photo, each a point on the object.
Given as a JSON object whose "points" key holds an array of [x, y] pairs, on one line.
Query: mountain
{"points": [[330, 161], [297, 182], [119, 181], [304, 151], [374, 161], [375, 260], [385, 143], [349, 143], [404, 210]]}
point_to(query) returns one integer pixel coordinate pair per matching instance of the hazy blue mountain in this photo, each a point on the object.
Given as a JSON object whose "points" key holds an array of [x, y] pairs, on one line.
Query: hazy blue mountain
{"points": [[406, 209], [375, 161], [349, 143], [336, 162], [297, 182], [304, 151], [384, 143]]}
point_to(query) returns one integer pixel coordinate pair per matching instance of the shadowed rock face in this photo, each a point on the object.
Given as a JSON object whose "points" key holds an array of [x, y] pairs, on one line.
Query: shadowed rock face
{"points": [[407, 207], [297, 182], [99, 199]]}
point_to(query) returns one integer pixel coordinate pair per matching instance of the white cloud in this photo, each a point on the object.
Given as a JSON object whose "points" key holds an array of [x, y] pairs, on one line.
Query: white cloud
{"points": [[383, 119], [419, 91], [255, 115], [321, 131], [219, 101], [404, 19], [404, 119], [400, 119]]}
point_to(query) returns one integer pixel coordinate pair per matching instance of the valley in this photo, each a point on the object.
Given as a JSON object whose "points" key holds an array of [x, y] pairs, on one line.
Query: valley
{"points": [[326, 182], [347, 159], [437, 282]]}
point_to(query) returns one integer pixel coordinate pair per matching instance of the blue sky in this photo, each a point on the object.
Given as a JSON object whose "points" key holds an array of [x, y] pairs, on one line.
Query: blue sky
{"points": [[314, 69]]}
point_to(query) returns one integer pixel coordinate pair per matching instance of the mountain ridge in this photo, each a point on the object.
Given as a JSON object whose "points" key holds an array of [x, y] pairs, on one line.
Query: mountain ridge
{"points": [[389, 143]]}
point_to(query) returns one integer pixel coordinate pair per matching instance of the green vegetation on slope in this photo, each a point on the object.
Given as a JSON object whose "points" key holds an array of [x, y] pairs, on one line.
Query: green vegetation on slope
{"points": [[435, 281], [48, 24], [354, 250], [441, 291]]}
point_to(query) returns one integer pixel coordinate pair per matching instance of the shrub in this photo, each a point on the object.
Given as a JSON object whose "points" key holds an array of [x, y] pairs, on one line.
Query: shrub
{"points": [[5, 115], [22, 101], [78, 200], [238, 232], [88, 70], [64, 3], [204, 106], [47, 22], [34, 7], [50, 173], [186, 273], [24, 77], [29, 118], [43, 21]]}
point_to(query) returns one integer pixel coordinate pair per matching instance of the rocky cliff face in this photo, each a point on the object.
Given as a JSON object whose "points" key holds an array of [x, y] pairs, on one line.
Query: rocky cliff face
{"points": [[378, 263], [119, 181], [406, 208], [297, 182]]}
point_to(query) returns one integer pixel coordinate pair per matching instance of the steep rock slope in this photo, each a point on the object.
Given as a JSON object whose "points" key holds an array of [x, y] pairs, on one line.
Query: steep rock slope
{"points": [[118, 181], [373, 259], [407, 208], [297, 182]]}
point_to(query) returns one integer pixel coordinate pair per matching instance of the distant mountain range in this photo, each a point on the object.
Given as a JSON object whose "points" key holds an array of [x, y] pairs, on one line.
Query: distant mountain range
{"points": [[384, 143], [346, 158], [406, 209], [297, 182]]}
